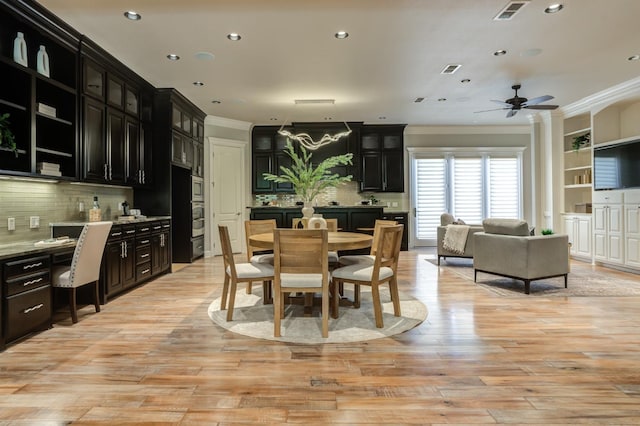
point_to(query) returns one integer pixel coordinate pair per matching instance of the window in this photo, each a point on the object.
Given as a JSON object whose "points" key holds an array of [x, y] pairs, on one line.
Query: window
{"points": [[470, 184]]}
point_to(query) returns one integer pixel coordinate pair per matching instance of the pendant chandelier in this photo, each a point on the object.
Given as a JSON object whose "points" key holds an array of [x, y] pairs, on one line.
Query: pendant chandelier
{"points": [[305, 139]]}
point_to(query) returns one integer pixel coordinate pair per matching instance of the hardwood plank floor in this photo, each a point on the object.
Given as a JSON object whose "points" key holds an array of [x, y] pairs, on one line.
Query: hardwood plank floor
{"points": [[153, 356]]}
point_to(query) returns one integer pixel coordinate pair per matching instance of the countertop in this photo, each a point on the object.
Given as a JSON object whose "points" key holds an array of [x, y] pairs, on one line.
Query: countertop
{"points": [[385, 209], [115, 222], [24, 248]]}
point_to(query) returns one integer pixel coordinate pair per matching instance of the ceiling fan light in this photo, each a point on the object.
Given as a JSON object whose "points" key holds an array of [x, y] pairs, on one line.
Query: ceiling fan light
{"points": [[341, 35], [132, 15], [553, 8], [633, 58], [234, 36], [173, 57]]}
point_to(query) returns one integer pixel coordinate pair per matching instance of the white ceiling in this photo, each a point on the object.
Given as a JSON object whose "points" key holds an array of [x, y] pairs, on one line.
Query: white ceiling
{"points": [[394, 54]]}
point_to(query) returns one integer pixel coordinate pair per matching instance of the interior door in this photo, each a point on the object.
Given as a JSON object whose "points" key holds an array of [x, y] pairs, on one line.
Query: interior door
{"points": [[228, 192]]}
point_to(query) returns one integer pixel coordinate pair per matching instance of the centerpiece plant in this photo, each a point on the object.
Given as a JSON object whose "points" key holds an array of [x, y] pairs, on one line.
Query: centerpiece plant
{"points": [[309, 181]]}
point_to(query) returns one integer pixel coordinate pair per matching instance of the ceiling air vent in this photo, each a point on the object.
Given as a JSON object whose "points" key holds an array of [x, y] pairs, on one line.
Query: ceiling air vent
{"points": [[450, 69], [510, 10], [418, 100]]}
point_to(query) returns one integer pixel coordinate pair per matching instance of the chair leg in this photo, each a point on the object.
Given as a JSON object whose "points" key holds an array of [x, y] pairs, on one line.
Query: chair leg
{"points": [[232, 300], [225, 291], [377, 306], [356, 296], [395, 296], [72, 305], [565, 280], [527, 286], [325, 312], [96, 300], [438, 260], [267, 296], [334, 298], [277, 303], [249, 287]]}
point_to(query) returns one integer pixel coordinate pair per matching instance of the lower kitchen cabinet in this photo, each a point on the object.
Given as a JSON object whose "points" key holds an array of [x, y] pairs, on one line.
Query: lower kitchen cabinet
{"points": [[119, 261], [403, 219], [26, 296], [160, 247]]}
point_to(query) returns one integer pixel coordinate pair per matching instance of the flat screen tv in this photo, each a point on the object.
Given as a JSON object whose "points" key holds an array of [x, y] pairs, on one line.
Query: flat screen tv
{"points": [[617, 166]]}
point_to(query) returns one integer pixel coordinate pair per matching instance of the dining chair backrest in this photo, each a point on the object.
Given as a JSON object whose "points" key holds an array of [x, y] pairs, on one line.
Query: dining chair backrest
{"points": [[87, 256], [388, 246], [300, 251], [332, 225], [253, 227], [227, 252], [376, 233]]}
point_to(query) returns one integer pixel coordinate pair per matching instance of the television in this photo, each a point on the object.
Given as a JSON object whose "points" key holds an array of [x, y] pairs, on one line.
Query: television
{"points": [[616, 166]]}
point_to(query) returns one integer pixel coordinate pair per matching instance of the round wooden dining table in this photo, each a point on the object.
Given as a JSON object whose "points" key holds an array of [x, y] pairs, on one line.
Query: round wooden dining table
{"points": [[336, 240]]}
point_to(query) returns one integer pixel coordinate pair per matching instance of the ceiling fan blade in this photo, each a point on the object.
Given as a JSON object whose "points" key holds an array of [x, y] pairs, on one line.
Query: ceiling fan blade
{"points": [[538, 100], [496, 109], [503, 103], [512, 113], [541, 106]]}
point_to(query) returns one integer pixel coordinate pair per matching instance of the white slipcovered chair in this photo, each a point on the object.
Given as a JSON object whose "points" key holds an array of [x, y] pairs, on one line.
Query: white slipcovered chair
{"points": [[85, 264]]}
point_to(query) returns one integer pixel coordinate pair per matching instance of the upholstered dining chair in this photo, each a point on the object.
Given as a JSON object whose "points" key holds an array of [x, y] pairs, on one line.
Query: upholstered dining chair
{"points": [[368, 258], [383, 270], [256, 254], [300, 266], [85, 265], [238, 272]]}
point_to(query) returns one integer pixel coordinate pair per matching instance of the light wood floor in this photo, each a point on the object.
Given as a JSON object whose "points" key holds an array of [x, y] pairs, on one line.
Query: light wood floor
{"points": [[153, 356]]}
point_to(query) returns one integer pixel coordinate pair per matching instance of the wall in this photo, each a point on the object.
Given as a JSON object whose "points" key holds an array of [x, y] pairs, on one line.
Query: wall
{"points": [[52, 202]]}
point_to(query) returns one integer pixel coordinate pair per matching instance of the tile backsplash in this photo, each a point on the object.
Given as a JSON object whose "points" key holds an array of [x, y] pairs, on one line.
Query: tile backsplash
{"points": [[52, 202]]}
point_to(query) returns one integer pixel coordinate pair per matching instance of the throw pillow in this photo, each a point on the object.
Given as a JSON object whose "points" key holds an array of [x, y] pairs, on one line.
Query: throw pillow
{"points": [[506, 227], [459, 222], [446, 219]]}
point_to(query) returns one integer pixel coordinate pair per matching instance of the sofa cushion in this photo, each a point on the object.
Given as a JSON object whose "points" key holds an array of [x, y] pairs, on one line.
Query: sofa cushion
{"points": [[506, 227], [446, 219]]}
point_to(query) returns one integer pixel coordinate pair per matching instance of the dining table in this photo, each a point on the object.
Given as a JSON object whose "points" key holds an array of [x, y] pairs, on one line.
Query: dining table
{"points": [[337, 241]]}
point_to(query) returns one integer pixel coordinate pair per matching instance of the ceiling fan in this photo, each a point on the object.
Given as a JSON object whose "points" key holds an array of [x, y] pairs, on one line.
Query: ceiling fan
{"points": [[517, 103]]}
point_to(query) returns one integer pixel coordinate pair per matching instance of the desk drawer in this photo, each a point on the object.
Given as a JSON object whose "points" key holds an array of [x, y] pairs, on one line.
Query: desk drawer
{"points": [[26, 266], [143, 254], [27, 282], [27, 311], [143, 271]]}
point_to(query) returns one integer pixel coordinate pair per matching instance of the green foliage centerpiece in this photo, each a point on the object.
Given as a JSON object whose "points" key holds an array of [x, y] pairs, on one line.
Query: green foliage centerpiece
{"points": [[309, 181]]}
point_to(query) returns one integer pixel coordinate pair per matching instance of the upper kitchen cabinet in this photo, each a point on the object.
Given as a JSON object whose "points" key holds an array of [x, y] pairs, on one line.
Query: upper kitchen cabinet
{"points": [[116, 103], [40, 100], [268, 155], [382, 158]]}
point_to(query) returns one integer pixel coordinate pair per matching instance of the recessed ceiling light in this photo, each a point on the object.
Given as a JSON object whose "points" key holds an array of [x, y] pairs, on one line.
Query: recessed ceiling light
{"points": [[273, 119], [418, 100], [233, 36], [328, 118], [173, 57], [500, 52], [450, 69], [341, 35], [442, 99], [633, 58], [134, 16], [465, 80], [215, 101], [553, 8], [198, 83], [382, 117]]}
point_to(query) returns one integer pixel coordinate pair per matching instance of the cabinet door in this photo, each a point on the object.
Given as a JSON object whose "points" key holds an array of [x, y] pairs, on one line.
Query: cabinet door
{"points": [[570, 230], [94, 78], [129, 263], [177, 150], [135, 147], [583, 232], [198, 159], [371, 172], [281, 159], [116, 147], [632, 219], [262, 163], [393, 171], [115, 92], [113, 253], [615, 218], [95, 161], [599, 218]]}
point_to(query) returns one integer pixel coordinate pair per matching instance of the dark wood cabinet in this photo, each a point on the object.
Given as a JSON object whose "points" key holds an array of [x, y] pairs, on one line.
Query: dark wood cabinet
{"points": [[403, 219], [94, 141], [116, 147], [382, 158], [119, 261], [160, 247], [349, 218]]}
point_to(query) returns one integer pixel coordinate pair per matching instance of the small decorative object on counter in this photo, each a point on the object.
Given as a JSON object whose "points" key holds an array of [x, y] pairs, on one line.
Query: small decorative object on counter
{"points": [[317, 222], [42, 62], [95, 214], [20, 50]]}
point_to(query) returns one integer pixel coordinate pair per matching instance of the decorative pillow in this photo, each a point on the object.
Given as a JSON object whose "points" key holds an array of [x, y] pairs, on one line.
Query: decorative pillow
{"points": [[506, 227], [446, 219], [459, 222]]}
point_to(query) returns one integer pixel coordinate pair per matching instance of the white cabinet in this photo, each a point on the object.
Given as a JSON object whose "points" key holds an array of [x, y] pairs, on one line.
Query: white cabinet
{"points": [[578, 228], [632, 229], [608, 243]]}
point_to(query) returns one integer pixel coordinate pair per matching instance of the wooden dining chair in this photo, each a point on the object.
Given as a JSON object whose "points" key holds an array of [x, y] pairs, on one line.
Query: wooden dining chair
{"points": [[256, 254], [300, 266], [85, 265], [238, 272], [383, 270], [368, 258]]}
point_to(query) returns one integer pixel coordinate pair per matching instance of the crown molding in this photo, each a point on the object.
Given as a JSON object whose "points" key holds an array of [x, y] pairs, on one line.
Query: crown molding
{"points": [[227, 122], [466, 130], [624, 91]]}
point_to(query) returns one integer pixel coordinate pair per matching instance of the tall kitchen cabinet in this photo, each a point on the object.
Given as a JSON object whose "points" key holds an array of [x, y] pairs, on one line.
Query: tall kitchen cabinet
{"points": [[42, 108], [178, 169], [382, 158], [116, 116]]}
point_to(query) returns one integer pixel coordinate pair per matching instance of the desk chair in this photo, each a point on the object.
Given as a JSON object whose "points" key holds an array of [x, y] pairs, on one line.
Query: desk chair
{"points": [[85, 264]]}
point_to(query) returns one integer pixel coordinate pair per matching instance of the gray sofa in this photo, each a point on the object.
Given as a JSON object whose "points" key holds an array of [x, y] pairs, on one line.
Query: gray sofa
{"points": [[505, 248], [448, 219]]}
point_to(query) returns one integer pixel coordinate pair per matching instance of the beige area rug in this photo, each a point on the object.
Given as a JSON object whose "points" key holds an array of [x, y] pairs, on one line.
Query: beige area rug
{"points": [[252, 318], [583, 281]]}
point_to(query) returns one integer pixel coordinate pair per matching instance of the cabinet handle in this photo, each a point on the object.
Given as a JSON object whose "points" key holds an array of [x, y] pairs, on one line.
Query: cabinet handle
{"points": [[398, 217], [132, 231], [33, 265], [28, 283], [110, 172], [126, 249], [122, 255], [33, 308], [161, 240], [116, 234], [144, 229], [145, 255], [169, 226], [144, 177], [106, 166], [146, 271], [144, 242], [155, 228]]}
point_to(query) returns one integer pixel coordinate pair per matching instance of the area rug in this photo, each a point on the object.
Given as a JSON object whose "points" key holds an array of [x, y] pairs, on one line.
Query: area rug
{"points": [[583, 281], [252, 318]]}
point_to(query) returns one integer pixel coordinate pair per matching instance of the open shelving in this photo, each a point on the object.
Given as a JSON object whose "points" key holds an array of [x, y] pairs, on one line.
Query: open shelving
{"points": [[578, 163]]}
